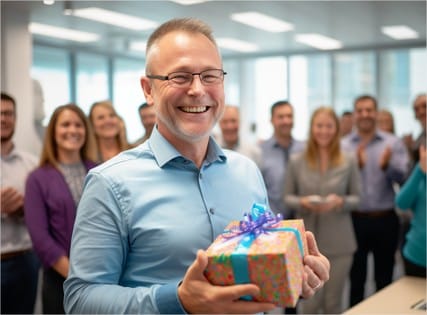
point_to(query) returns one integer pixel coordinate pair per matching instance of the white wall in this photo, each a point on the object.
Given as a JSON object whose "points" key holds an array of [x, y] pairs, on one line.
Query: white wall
{"points": [[16, 51]]}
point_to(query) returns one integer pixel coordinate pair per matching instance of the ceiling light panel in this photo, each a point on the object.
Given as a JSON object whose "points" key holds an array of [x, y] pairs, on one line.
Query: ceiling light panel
{"points": [[262, 21], [189, 2], [62, 33], [237, 45], [114, 18], [318, 41], [399, 32]]}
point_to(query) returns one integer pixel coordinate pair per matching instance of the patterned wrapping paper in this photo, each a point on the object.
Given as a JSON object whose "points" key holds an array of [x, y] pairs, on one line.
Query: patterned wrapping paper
{"points": [[274, 262]]}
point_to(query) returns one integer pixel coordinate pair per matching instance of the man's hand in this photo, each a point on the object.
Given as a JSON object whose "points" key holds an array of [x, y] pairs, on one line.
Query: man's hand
{"points": [[316, 268], [11, 200], [198, 296], [423, 155], [385, 158]]}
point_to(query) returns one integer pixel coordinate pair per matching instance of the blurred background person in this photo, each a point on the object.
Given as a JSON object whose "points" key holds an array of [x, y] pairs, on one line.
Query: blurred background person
{"points": [[53, 191], [385, 121], [147, 114], [229, 137], [322, 186], [383, 161], [413, 146], [108, 130], [412, 197], [19, 264], [346, 123], [275, 153]]}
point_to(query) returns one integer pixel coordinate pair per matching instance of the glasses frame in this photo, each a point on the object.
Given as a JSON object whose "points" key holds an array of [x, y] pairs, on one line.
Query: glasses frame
{"points": [[187, 84]]}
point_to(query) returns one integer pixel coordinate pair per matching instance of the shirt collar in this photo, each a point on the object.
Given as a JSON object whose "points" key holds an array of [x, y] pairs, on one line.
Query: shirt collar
{"points": [[354, 136], [14, 153], [276, 144], [164, 152]]}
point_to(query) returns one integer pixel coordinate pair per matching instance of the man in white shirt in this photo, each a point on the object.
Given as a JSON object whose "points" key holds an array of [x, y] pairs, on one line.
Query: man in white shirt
{"points": [[19, 265]]}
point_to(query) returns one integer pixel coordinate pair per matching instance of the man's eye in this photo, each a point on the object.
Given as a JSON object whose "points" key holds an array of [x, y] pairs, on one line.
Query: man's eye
{"points": [[180, 78]]}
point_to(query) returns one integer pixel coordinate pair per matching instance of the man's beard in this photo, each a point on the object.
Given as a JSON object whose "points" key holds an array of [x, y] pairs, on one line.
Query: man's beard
{"points": [[6, 138]]}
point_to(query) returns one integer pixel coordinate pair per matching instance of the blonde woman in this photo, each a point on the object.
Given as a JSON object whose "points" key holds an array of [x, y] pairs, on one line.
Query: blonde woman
{"points": [[322, 185], [53, 191], [108, 129]]}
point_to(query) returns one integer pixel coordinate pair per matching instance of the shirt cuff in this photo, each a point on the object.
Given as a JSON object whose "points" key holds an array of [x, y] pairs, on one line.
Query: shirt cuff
{"points": [[167, 299]]}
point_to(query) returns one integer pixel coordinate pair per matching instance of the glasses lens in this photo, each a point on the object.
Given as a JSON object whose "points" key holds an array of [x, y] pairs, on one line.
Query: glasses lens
{"points": [[212, 76], [181, 78]]}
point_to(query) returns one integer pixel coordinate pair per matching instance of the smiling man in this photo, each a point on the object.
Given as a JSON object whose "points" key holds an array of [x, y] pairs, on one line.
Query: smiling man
{"points": [[19, 264], [147, 214], [383, 161]]}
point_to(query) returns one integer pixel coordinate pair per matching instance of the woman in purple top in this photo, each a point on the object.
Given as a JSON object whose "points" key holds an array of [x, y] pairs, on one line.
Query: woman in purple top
{"points": [[53, 191]]}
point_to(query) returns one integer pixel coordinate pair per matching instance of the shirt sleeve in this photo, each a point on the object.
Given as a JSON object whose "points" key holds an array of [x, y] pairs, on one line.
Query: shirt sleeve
{"points": [[397, 169], [37, 221], [98, 260]]}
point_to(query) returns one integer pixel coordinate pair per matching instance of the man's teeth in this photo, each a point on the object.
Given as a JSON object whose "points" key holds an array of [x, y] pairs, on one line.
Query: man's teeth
{"points": [[194, 109]]}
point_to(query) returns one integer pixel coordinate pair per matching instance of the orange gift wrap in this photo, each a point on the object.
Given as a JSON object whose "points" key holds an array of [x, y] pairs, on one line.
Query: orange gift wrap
{"points": [[264, 250]]}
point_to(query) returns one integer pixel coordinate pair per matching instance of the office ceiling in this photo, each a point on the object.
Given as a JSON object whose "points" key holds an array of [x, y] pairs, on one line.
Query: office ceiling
{"points": [[356, 23]]}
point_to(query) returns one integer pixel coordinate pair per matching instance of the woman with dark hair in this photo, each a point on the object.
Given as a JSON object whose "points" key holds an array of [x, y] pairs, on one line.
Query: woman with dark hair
{"points": [[322, 185], [53, 191]]}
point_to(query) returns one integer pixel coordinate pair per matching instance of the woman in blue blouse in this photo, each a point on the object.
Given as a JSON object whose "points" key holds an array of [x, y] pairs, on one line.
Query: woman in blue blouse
{"points": [[412, 196]]}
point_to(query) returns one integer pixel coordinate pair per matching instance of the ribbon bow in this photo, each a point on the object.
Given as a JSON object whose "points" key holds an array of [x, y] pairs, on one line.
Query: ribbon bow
{"points": [[259, 221]]}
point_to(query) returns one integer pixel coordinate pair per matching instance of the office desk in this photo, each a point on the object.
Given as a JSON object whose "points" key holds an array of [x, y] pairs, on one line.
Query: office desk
{"points": [[398, 297]]}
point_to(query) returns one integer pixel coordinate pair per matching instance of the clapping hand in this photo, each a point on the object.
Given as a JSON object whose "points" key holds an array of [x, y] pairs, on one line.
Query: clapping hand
{"points": [[423, 155], [11, 200]]}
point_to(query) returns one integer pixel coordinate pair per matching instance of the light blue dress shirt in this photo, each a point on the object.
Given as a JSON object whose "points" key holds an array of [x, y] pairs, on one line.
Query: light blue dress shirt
{"points": [[377, 184], [274, 161], [143, 216]]}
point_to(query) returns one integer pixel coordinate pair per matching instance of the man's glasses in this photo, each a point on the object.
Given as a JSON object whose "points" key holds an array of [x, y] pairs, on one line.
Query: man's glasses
{"points": [[184, 79]]}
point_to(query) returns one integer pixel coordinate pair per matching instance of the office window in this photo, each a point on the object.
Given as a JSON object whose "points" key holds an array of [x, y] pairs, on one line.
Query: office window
{"points": [[354, 75], [402, 77], [269, 85], [128, 94], [51, 68], [309, 87], [92, 79], [232, 82]]}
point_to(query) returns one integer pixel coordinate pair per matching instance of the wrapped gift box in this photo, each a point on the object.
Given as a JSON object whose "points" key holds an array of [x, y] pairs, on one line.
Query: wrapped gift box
{"points": [[270, 256]]}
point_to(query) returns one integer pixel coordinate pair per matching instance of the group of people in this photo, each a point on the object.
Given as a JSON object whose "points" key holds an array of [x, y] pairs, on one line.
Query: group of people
{"points": [[126, 233], [343, 182], [73, 144]]}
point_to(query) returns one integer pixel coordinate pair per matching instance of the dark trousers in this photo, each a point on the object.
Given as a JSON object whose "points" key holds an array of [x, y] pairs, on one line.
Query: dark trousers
{"points": [[413, 270], [52, 292], [19, 277], [378, 235]]}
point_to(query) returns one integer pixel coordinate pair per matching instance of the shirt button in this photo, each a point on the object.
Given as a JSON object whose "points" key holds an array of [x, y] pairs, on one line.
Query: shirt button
{"points": [[211, 211], [200, 176]]}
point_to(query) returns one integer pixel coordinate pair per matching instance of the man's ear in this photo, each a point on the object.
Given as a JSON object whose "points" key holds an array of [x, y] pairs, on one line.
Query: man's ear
{"points": [[147, 88]]}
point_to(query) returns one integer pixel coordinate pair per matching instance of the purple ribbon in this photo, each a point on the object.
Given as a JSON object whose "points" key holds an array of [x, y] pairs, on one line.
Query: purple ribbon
{"points": [[258, 222]]}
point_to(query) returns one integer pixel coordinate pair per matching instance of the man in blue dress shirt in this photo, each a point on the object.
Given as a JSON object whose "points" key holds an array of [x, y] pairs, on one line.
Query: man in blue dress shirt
{"points": [[383, 161], [146, 215]]}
